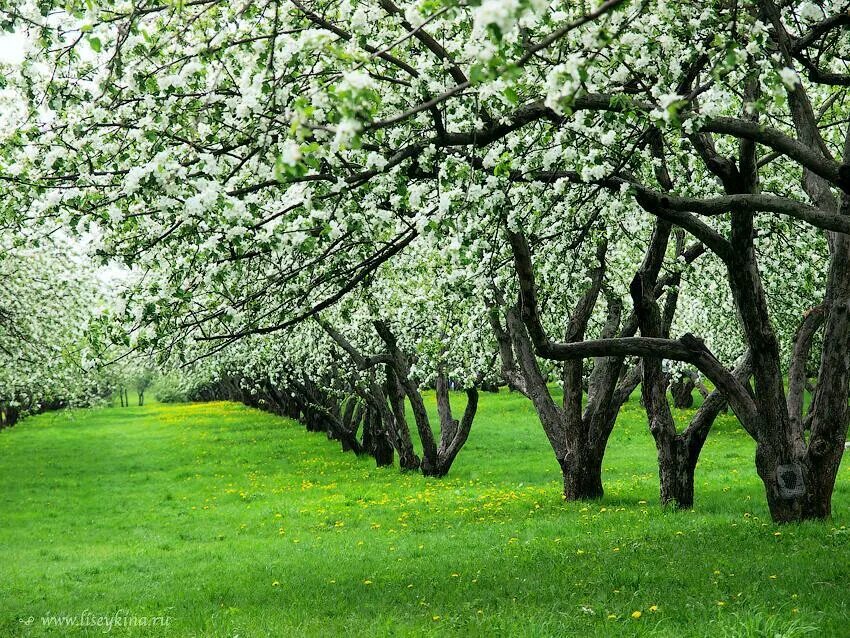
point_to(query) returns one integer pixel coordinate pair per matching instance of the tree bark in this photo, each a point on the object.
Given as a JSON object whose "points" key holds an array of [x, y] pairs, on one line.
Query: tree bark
{"points": [[682, 389], [376, 438], [582, 472]]}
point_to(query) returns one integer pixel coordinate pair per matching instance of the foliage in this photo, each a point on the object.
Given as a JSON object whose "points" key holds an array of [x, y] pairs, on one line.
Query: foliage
{"points": [[48, 299]]}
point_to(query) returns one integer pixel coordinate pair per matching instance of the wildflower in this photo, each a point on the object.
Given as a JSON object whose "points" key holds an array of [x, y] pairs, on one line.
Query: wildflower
{"points": [[636, 614], [367, 582], [275, 584], [653, 608]]}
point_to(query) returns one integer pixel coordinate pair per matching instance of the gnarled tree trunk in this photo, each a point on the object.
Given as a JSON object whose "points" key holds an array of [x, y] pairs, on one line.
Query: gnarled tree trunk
{"points": [[436, 459]]}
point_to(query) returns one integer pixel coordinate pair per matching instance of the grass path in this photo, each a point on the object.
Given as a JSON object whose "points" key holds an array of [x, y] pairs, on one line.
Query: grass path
{"points": [[232, 522]]}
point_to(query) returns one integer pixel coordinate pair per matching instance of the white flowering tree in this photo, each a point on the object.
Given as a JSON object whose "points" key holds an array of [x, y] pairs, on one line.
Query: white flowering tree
{"points": [[47, 301]]}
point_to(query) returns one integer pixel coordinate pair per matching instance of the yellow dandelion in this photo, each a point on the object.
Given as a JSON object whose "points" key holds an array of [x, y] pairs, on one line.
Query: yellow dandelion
{"points": [[653, 608], [275, 584], [367, 582], [636, 614]]}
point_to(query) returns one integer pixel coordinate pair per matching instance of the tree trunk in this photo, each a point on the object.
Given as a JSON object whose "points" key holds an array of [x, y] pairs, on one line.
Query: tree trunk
{"points": [[400, 385], [785, 483], [395, 419], [582, 476], [376, 439], [141, 399], [799, 486], [313, 421], [682, 390], [676, 472]]}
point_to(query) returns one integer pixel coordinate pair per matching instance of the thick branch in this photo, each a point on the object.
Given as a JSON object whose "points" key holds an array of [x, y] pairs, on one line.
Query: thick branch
{"points": [[797, 372]]}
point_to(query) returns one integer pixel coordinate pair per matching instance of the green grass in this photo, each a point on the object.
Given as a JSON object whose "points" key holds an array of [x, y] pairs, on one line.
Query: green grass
{"points": [[233, 522]]}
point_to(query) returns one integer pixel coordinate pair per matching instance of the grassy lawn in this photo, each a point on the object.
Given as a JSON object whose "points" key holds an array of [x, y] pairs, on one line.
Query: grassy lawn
{"points": [[233, 522]]}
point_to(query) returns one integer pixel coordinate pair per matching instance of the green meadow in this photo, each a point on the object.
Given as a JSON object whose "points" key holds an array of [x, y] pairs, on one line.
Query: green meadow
{"points": [[219, 520]]}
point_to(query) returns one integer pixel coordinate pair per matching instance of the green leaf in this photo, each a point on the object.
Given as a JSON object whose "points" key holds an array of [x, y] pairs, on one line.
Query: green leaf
{"points": [[477, 74]]}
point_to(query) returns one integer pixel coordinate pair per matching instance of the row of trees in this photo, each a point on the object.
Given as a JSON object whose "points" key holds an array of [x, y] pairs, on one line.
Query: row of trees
{"points": [[47, 301], [511, 192]]}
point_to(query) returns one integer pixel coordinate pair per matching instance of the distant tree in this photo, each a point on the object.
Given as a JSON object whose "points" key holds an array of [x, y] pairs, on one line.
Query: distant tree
{"points": [[142, 380]]}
